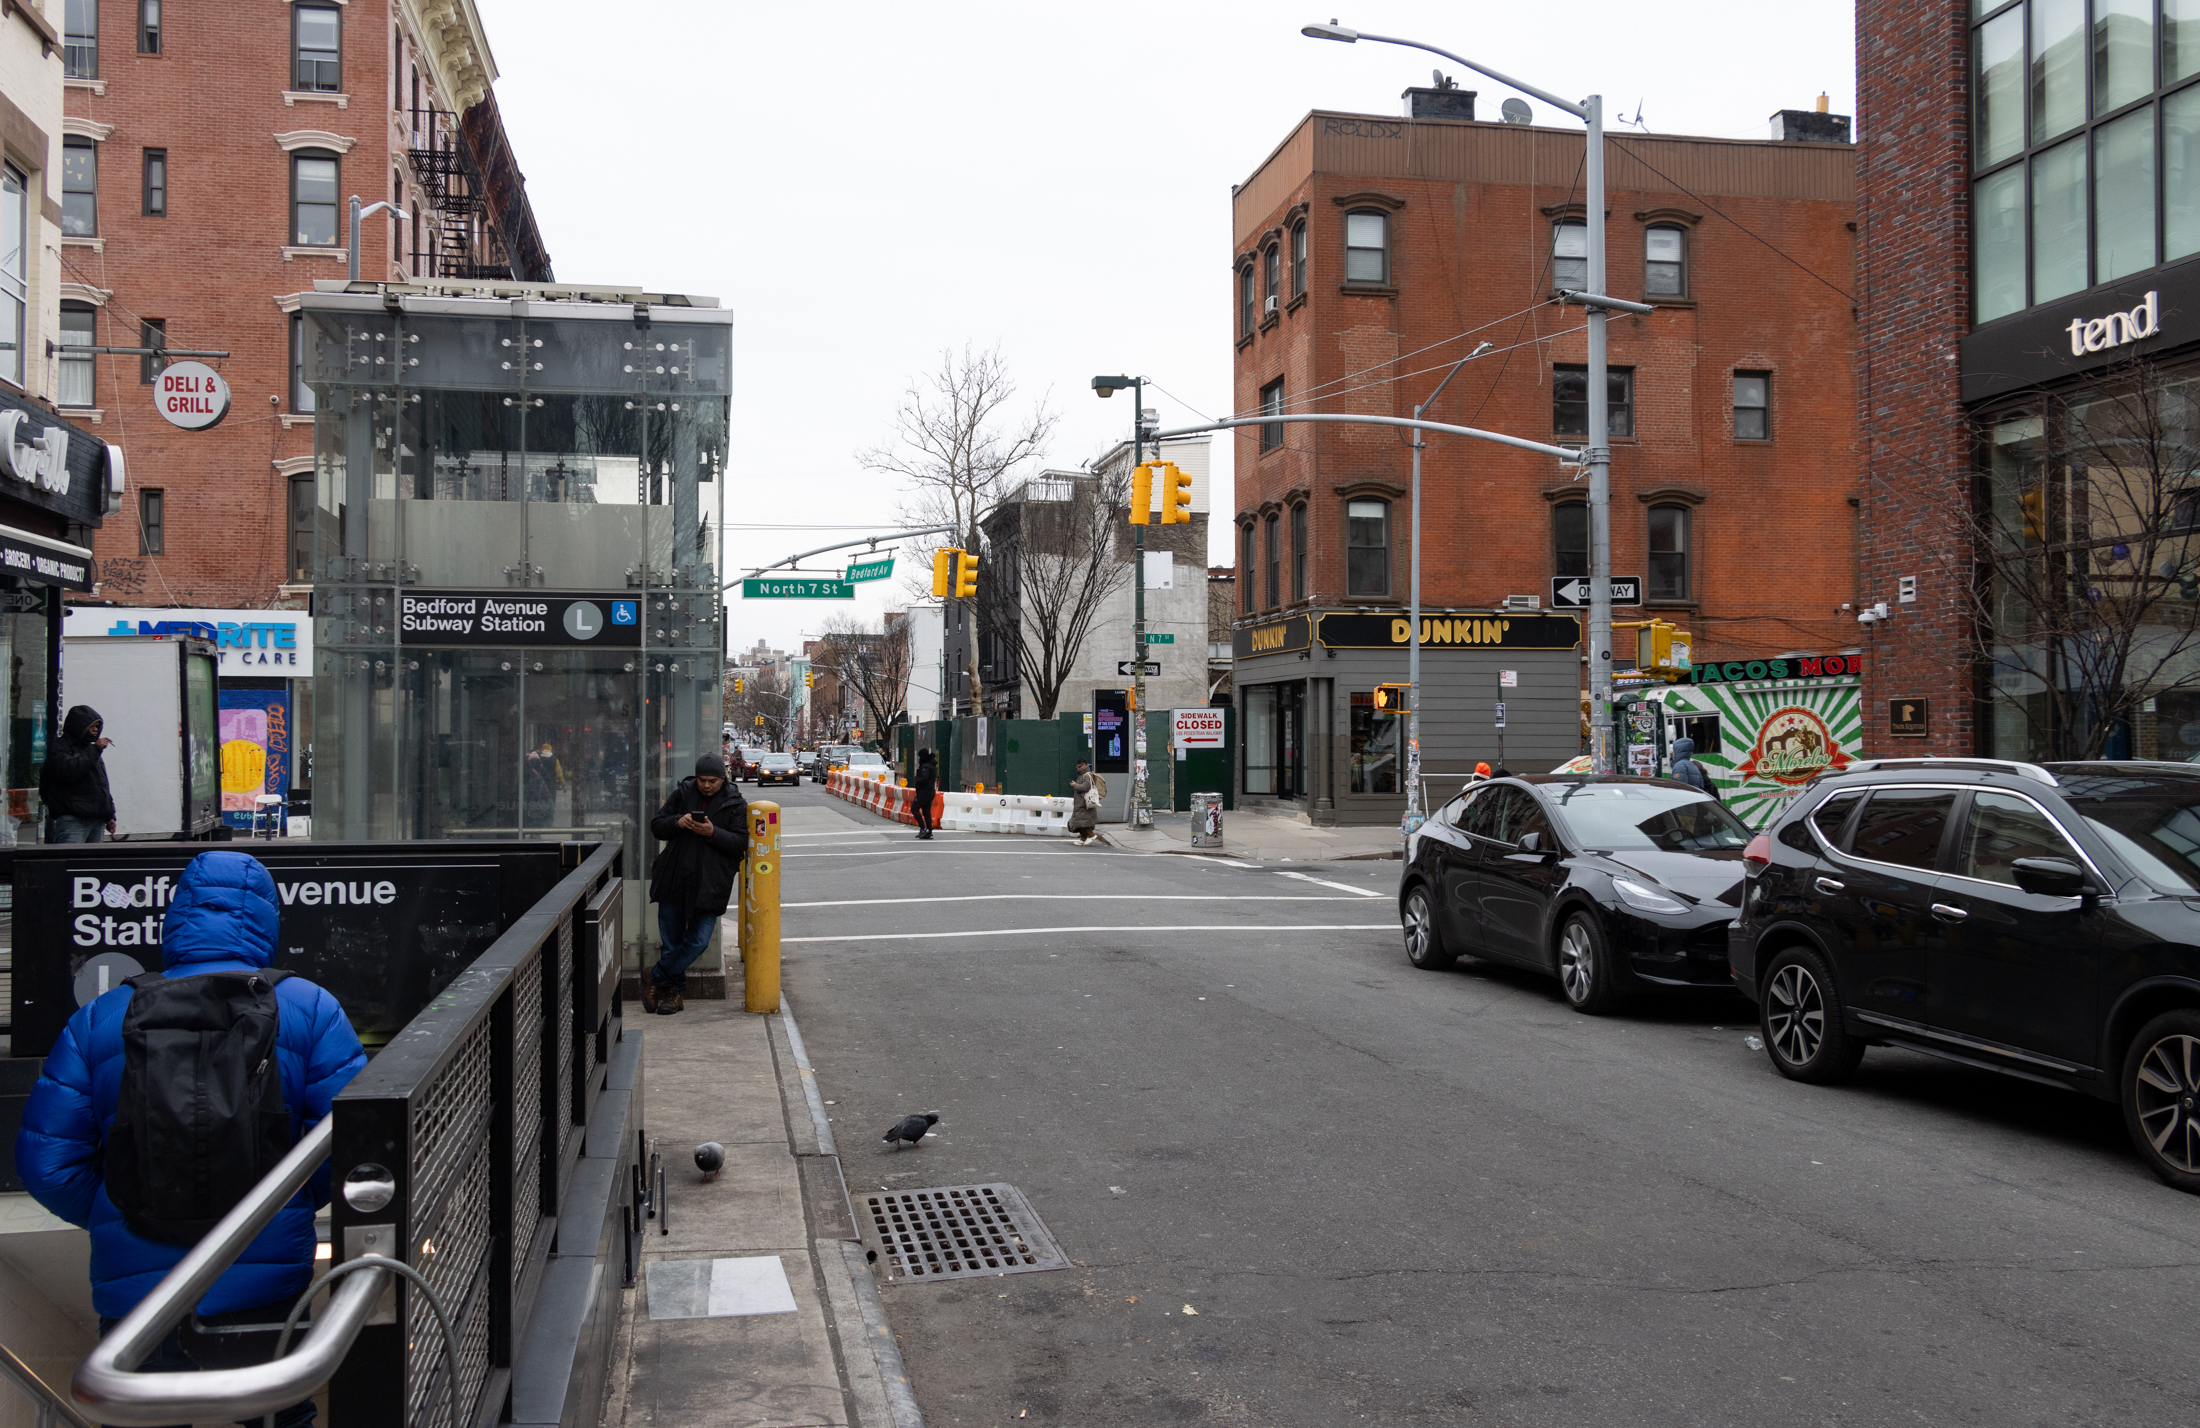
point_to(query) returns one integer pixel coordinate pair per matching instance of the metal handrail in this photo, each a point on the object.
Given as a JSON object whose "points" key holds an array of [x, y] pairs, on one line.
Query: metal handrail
{"points": [[52, 1407], [108, 1380]]}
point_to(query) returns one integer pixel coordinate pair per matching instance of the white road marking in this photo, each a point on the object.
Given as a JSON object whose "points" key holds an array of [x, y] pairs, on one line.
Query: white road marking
{"points": [[1342, 887], [1061, 852], [865, 834], [1071, 897], [1035, 931]]}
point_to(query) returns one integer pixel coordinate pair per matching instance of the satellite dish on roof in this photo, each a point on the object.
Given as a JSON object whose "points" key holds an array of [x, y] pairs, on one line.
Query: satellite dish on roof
{"points": [[1516, 111]]}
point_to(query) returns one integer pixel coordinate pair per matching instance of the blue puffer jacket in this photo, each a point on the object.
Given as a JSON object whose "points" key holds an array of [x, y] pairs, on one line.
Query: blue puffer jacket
{"points": [[222, 919]]}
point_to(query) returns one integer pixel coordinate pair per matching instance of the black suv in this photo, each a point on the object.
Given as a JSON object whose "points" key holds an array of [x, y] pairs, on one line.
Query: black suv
{"points": [[2039, 920]]}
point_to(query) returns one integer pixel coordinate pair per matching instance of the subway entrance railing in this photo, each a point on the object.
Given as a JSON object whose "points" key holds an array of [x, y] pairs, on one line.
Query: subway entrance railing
{"points": [[491, 1148]]}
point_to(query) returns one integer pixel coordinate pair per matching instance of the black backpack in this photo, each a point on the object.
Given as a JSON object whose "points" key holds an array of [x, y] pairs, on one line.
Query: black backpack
{"points": [[200, 1117]]}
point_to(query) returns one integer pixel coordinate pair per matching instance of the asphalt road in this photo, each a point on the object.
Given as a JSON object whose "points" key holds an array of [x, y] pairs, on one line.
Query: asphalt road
{"points": [[1304, 1184]]}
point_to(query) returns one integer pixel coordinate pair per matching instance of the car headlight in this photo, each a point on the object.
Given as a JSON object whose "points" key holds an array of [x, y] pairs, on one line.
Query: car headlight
{"points": [[1644, 898]]}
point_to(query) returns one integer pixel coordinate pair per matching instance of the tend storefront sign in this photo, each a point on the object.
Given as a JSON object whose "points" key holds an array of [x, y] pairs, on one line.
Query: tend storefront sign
{"points": [[2098, 334], [191, 395]]}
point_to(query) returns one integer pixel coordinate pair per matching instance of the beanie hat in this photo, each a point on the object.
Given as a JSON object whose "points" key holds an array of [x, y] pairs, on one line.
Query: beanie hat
{"points": [[710, 766]]}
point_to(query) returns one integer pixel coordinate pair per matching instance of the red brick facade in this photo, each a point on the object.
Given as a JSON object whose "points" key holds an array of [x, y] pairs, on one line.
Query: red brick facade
{"points": [[1913, 213], [1470, 208], [222, 99]]}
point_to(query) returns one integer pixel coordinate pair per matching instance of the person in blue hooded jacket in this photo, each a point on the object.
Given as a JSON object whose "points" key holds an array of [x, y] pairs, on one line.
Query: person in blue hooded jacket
{"points": [[222, 919]]}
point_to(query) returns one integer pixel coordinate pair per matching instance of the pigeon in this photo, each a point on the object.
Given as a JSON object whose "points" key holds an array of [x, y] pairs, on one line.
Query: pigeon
{"points": [[710, 1158], [910, 1129]]}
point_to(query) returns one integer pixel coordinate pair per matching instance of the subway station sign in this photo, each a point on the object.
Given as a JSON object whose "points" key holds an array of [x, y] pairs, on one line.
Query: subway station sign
{"points": [[487, 618]]}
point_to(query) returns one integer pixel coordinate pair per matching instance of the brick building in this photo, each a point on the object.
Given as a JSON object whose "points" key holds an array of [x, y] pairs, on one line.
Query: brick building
{"points": [[186, 221], [2029, 202], [1371, 253]]}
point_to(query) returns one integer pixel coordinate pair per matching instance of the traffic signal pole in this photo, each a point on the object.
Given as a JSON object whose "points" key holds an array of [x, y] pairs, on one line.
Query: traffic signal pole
{"points": [[1141, 810]]}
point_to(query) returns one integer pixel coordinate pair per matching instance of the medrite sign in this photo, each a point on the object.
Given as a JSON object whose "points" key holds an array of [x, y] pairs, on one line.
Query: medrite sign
{"points": [[191, 395]]}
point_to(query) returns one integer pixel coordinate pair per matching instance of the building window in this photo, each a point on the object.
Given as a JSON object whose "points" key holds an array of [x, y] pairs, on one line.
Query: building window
{"points": [[1367, 247], [1665, 262], [1753, 406], [1275, 567], [1271, 278], [156, 183], [152, 332], [1245, 301], [318, 33], [1298, 259], [1271, 404], [148, 27], [1367, 547], [1570, 255], [1669, 552], [79, 321], [79, 187], [301, 395], [80, 39], [1570, 540], [1570, 400], [14, 281], [1298, 551], [2086, 160], [301, 528], [152, 522], [313, 185], [1247, 598]]}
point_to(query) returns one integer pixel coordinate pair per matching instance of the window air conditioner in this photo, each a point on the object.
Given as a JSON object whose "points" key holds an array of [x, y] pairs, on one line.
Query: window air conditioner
{"points": [[1270, 309], [1523, 602]]}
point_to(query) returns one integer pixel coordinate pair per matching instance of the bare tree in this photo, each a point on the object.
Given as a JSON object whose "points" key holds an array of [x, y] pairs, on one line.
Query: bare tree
{"points": [[1054, 566], [870, 664], [769, 698], [2085, 591]]}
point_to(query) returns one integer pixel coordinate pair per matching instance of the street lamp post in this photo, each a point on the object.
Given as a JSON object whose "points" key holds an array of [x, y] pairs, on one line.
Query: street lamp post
{"points": [[1141, 812], [1413, 616], [1591, 112]]}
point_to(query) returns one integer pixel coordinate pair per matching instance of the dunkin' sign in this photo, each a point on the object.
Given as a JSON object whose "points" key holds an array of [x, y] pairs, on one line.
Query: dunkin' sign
{"points": [[191, 395]]}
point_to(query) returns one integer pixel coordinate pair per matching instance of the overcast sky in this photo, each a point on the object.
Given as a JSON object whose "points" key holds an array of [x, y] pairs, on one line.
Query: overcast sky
{"points": [[866, 184]]}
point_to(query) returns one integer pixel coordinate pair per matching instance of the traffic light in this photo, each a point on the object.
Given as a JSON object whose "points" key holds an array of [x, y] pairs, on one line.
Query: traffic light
{"points": [[1660, 648], [1176, 495], [1142, 495], [2034, 505], [759, 721], [809, 679], [737, 684], [1390, 698], [966, 575], [943, 572]]}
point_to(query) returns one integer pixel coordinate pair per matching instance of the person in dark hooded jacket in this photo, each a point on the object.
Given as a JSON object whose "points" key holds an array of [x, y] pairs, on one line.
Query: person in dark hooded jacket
{"points": [[1687, 770], [705, 828], [924, 788], [222, 919], [74, 780]]}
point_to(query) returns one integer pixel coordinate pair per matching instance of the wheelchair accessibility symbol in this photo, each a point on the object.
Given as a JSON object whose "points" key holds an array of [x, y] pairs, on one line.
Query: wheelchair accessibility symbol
{"points": [[625, 612]]}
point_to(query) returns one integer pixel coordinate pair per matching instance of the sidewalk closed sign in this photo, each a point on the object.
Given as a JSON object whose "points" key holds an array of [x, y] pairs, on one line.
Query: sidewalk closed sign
{"points": [[1197, 729]]}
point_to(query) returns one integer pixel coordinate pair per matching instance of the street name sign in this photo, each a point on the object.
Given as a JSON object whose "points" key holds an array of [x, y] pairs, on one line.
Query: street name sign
{"points": [[1571, 592], [796, 588], [869, 570], [1152, 667], [1154, 639]]}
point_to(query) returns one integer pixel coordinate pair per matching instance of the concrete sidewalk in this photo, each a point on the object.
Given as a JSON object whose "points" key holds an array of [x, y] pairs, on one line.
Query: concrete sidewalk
{"points": [[691, 1350], [1260, 838]]}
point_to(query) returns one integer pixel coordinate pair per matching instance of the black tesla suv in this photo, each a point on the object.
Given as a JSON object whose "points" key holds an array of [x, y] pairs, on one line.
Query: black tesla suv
{"points": [[2038, 920], [1613, 885]]}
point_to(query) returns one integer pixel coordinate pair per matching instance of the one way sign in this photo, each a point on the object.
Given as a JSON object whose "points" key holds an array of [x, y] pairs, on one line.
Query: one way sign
{"points": [[1571, 592]]}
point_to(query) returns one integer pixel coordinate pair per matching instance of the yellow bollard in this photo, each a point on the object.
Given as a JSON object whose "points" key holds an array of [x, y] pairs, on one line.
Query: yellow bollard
{"points": [[760, 909]]}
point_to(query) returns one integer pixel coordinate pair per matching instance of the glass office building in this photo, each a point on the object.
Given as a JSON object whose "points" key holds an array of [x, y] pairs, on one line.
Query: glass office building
{"points": [[518, 624]]}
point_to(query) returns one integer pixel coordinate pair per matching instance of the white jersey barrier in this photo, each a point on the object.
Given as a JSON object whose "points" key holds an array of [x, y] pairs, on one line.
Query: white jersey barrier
{"points": [[963, 812]]}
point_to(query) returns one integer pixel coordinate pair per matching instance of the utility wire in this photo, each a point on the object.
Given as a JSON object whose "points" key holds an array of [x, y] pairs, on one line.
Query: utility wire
{"points": [[1714, 208]]}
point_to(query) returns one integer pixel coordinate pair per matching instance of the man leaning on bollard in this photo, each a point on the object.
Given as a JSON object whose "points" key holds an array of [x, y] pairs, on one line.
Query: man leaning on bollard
{"points": [[156, 1112], [705, 828]]}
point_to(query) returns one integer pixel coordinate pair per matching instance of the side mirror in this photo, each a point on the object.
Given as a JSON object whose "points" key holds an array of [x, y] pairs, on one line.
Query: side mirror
{"points": [[1538, 846], [1531, 842], [2052, 877]]}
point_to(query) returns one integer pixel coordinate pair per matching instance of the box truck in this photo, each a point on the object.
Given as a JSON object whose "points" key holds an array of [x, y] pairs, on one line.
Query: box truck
{"points": [[156, 694]]}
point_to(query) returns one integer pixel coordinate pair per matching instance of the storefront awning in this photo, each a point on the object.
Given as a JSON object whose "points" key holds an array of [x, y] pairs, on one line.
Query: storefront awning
{"points": [[42, 558]]}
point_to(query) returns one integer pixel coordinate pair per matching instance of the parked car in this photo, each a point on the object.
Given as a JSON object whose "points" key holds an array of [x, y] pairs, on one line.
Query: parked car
{"points": [[863, 759], [777, 768], [835, 756], [2038, 920], [1613, 885]]}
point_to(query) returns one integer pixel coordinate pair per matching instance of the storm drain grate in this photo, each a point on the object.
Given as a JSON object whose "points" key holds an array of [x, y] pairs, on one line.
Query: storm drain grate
{"points": [[958, 1232]]}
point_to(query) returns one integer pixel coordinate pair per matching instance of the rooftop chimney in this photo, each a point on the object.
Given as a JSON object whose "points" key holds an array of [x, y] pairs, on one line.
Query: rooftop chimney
{"points": [[1806, 126]]}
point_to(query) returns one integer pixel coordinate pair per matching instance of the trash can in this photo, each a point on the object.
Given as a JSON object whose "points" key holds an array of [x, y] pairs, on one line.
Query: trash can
{"points": [[1206, 820]]}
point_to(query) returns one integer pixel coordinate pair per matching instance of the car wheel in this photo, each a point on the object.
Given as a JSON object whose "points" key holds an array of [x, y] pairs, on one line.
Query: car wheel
{"points": [[1800, 1015], [1424, 943], [1584, 967], [2161, 1095]]}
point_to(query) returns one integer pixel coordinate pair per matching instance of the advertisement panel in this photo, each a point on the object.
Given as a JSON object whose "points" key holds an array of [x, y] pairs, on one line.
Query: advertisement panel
{"points": [[1774, 735], [255, 750]]}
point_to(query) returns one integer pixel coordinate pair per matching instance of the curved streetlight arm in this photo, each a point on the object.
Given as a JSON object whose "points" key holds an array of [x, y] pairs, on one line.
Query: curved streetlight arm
{"points": [[1339, 32], [1572, 455]]}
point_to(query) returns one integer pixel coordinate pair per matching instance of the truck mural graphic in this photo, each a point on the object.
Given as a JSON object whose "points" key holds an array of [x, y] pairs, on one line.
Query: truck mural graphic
{"points": [[1774, 737]]}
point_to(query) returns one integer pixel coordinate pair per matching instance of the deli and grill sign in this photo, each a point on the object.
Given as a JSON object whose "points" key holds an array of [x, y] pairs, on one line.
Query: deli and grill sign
{"points": [[191, 395]]}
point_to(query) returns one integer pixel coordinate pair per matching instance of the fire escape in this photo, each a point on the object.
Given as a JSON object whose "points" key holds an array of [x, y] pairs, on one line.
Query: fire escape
{"points": [[462, 236]]}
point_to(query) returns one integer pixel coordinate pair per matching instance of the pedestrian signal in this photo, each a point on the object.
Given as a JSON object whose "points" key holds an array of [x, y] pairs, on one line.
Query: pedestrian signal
{"points": [[943, 572], [1142, 495], [966, 575], [1176, 495], [1390, 698]]}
